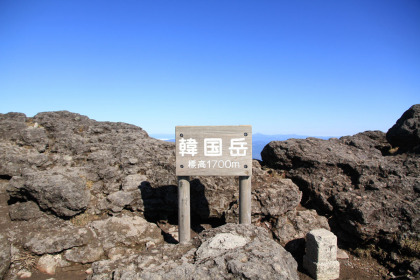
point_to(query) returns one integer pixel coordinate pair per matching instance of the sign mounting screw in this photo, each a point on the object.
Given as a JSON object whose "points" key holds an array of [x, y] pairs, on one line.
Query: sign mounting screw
{"points": [[245, 134]]}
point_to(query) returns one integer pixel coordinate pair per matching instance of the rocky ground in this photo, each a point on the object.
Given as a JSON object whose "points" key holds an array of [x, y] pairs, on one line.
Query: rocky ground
{"points": [[368, 185], [80, 198]]}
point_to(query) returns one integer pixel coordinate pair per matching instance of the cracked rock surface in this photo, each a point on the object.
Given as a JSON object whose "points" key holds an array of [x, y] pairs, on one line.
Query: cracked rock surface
{"points": [[367, 185], [76, 191], [228, 252]]}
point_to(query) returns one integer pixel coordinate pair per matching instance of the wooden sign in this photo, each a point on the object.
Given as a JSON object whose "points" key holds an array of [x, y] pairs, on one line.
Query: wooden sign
{"points": [[213, 150]]}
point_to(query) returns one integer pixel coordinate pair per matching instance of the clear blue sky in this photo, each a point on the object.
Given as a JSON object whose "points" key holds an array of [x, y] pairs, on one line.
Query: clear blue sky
{"points": [[305, 67]]}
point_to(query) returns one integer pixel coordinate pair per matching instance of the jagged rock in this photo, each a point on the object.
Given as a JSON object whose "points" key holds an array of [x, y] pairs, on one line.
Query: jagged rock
{"points": [[405, 134], [133, 182], [270, 199], [72, 165], [296, 224], [15, 160], [219, 245], [49, 263], [64, 193], [86, 254], [11, 125], [274, 204], [127, 231], [415, 267], [229, 252], [274, 199], [118, 200], [369, 191], [56, 239], [5, 256], [15, 127], [122, 168], [24, 211]]}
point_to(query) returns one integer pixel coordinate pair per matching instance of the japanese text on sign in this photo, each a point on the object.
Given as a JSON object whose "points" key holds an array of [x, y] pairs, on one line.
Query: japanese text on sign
{"points": [[214, 150], [212, 147]]}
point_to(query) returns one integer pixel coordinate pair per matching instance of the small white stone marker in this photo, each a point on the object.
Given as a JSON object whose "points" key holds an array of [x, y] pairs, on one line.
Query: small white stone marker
{"points": [[320, 259]]}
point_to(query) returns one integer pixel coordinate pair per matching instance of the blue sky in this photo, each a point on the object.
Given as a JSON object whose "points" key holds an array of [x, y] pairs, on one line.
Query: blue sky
{"points": [[304, 67]]}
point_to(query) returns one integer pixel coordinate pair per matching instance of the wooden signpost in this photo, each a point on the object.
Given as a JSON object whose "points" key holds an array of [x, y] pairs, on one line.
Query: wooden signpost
{"points": [[212, 151]]}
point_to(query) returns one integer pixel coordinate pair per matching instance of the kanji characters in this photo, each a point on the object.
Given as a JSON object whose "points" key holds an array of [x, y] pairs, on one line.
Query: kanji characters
{"points": [[237, 147], [212, 147], [192, 163], [188, 146]]}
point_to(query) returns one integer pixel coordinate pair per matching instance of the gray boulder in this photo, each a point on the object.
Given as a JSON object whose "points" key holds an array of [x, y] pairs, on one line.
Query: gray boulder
{"points": [[86, 254], [275, 198], [64, 193], [405, 134], [369, 191], [120, 166], [4, 255], [65, 165], [294, 226], [126, 231], [57, 239], [15, 160], [25, 133], [24, 211], [229, 252]]}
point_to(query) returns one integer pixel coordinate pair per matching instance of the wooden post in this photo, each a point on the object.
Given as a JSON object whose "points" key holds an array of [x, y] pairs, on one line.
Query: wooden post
{"points": [[184, 219], [244, 199]]}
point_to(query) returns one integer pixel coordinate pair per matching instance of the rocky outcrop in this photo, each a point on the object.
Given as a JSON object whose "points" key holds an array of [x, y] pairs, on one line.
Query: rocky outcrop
{"points": [[57, 239], [63, 192], [126, 231], [370, 190], [227, 252], [106, 185], [4, 255], [405, 134], [74, 165]]}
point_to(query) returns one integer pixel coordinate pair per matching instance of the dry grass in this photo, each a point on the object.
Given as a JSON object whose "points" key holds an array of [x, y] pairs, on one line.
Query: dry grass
{"points": [[411, 246], [83, 219], [25, 259], [89, 184], [31, 123]]}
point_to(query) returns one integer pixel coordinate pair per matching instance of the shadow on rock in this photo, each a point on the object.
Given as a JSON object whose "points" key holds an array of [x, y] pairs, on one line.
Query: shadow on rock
{"points": [[161, 204], [296, 247]]}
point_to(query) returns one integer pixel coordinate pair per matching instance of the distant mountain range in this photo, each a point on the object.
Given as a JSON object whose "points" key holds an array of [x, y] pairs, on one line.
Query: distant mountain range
{"points": [[258, 140]]}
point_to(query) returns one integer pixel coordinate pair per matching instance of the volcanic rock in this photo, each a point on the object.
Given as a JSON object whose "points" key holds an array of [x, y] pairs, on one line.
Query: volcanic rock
{"points": [[57, 239], [86, 254], [125, 231], [49, 263], [24, 211], [369, 191], [4, 255], [227, 252], [101, 167], [104, 185], [405, 134], [64, 193]]}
